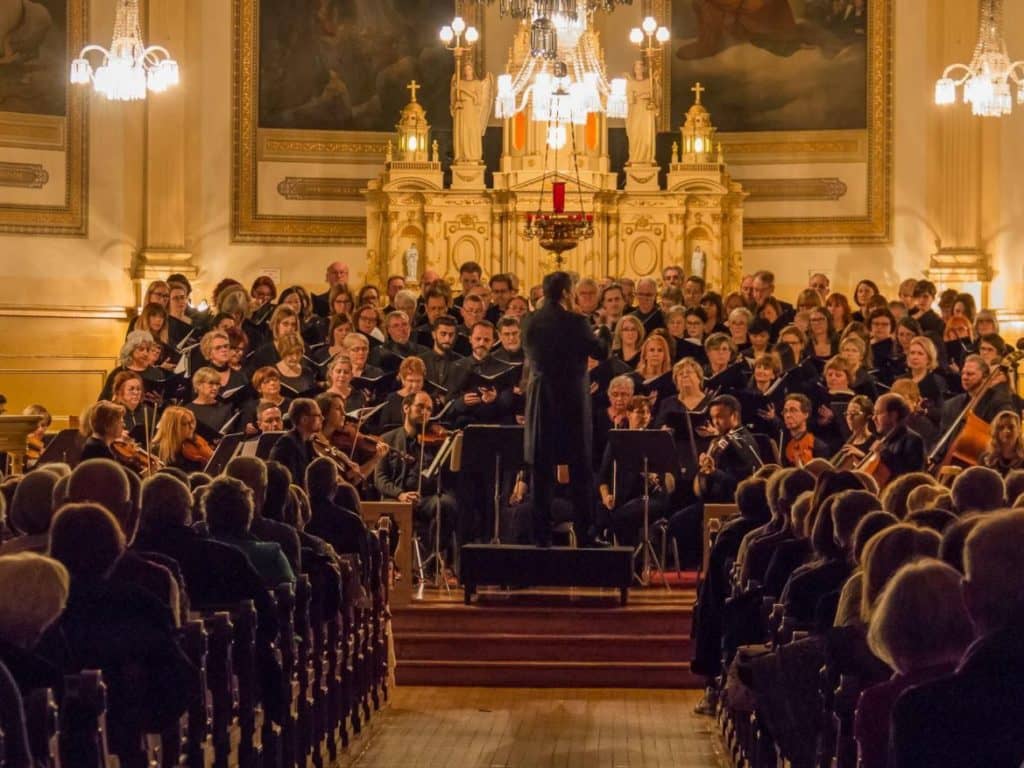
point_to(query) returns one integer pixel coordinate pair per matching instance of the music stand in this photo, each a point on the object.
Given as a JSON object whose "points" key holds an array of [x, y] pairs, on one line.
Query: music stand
{"points": [[14, 431], [491, 447], [645, 451], [65, 447], [435, 469], [226, 450]]}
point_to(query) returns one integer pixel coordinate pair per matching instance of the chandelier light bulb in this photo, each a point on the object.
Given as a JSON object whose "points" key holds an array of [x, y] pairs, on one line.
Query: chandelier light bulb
{"points": [[663, 35], [649, 25], [472, 35], [636, 36], [447, 34], [458, 25]]}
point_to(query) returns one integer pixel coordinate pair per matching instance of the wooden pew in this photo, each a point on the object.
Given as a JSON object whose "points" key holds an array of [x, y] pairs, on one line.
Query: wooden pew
{"points": [[714, 516], [400, 590], [285, 598], [42, 722], [220, 682], [194, 643], [83, 721]]}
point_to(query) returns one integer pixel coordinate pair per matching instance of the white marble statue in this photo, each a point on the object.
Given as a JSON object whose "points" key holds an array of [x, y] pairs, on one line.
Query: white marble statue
{"points": [[642, 116], [412, 262], [471, 100], [698, 262]]}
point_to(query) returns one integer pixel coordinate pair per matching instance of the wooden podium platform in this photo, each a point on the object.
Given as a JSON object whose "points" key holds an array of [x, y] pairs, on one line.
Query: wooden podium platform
{"points": [[549, 638]]}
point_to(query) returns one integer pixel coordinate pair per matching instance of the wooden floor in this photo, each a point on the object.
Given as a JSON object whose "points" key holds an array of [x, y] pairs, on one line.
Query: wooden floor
{"points": [[536, 728]]}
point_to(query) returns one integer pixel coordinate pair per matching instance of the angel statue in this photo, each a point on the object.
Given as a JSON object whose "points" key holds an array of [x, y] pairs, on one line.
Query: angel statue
{"points": [[643, 113], [471, 100]]}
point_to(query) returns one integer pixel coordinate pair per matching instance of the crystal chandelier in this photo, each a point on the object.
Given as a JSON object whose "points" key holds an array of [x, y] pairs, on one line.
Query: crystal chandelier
{"points": [[987, 80], [563, 79], [129, 68], [530, 9]]}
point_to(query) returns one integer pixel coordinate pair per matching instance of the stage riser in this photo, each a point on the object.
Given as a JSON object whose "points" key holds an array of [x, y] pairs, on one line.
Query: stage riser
{"points": [[611, 649], [526, 676], [546, 621]]}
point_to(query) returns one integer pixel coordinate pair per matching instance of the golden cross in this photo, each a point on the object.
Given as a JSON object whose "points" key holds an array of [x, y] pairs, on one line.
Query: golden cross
{"points": [[414, 86], [697, 89]]}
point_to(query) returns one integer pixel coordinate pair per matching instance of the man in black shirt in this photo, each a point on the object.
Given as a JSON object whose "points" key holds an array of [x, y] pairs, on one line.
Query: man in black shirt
{"points": [[647, 310], [440, 359], [902, 449], [389, 355], [294, 448]]}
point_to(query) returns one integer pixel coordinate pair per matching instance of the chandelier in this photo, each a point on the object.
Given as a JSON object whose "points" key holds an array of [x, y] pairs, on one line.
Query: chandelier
{"points": [[563, 79], [987, 80], [129, 68], [531, 9]]}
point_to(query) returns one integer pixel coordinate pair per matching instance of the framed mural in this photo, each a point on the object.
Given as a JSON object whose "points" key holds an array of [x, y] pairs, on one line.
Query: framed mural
{"points": [[318, 87], [793, 83], [43, 160]]}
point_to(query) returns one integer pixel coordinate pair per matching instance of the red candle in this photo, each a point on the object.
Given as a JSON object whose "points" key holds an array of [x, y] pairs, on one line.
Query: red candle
{"points": [[558, 196]]}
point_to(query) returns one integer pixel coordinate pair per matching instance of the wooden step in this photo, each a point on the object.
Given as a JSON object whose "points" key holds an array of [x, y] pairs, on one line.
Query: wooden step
{"points": [[543, 674], [633, 620], [611, 648]]}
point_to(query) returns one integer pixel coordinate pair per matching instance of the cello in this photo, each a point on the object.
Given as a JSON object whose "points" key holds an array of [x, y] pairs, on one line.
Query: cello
{"points": [[962, 447]]}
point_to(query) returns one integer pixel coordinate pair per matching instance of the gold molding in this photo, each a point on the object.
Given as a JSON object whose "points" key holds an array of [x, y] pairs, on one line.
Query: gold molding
{"points": [[331, 188], [77, 312], [24, 131], [23, 175], [788, 147], [350, 147], [827, 188], [72, 217]]}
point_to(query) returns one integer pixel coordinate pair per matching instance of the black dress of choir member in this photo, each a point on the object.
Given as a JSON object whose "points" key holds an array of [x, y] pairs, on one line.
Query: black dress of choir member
{"points": [[854, 351], [398, 479], [297, 379], [799, 445], [441, 357], [558, 343], [339, 381], [1005, 451], [135, 356], [357, 347], [412, 377], [615, 416], [621, 507], [294, 448], [266, 382], [628, 340], [398, 346], [336, 274], [885, 353], [210, 412], [647, 310], [684, 412], [830, 422], [901, 449], [922, 362], [179, 324], [107, 421], [285, 320], [653, 375], [509, 352]]}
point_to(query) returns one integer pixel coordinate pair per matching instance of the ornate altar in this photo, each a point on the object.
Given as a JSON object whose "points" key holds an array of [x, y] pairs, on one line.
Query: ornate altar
{"points": [[694, 218]]}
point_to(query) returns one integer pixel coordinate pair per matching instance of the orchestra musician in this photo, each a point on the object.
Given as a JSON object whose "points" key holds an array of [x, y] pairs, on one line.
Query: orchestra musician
{"points": [[621, 493], [294, 449], [799, 445], [176, 442], [862, 436], [973, 377], [138, 415], [269, 417], [107, 425], [615, 416], [900, 450], [396, 478], [1005, 451]]}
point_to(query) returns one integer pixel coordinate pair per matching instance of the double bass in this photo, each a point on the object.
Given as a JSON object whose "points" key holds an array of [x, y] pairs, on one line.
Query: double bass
{"points": [[962, 447]]}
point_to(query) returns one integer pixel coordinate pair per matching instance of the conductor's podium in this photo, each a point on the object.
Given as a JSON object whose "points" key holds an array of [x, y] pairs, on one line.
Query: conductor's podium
{"points": [[513, 565]]}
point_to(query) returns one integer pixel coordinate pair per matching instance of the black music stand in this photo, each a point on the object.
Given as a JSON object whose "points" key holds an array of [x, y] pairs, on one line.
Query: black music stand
{"points": [[490, 448], [65, 447], [645, 451], [436, 470], [228, 447]]}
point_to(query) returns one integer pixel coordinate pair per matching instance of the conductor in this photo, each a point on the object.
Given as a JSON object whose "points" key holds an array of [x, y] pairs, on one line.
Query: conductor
{"points": [[557, 343]]}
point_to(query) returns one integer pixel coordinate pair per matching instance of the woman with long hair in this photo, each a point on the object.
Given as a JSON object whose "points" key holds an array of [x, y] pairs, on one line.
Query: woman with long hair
{"points": [[655, 362], [857, 354], [175, 440], [1005, 451], [822, 342], [627, 340], [839, 311]]}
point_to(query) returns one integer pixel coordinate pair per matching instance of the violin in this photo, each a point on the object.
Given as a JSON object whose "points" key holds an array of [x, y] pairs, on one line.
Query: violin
{"points": [[435, 434], [349, 469], [363, 447], [800, 451], [195, 449], [131, 455]]}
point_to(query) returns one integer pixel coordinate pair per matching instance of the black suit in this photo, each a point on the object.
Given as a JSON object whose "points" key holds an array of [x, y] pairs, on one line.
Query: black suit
{"points": [[320, 304], [971, 719], [343, 529], [389, 355], [557, 344], [295, 453], [651, 321], [903, 451], [991, 403]]}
